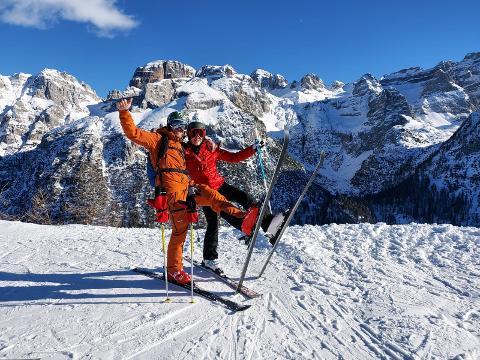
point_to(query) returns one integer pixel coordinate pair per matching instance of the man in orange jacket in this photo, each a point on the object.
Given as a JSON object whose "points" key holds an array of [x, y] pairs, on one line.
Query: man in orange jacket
{"points": [[201, 159], [173, 178]]}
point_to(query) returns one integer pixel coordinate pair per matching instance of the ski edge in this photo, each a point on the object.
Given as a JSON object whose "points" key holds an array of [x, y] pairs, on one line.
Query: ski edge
{"points": [[233, 284]]}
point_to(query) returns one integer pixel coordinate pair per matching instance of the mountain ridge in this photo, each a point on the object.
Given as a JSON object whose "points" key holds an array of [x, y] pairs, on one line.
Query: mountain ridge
{"points": [[376, 133]]}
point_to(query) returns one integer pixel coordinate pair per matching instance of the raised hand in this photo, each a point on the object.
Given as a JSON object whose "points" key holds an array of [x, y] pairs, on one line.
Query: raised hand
{"points": [[124, 104]]}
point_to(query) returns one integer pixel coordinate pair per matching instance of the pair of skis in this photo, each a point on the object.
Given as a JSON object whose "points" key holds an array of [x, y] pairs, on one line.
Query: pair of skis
{"points": [[229, 304], [263, 209], [266, 201]]}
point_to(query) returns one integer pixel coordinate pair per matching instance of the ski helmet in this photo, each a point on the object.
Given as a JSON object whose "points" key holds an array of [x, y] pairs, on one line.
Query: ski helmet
{"points": [[176, 120], [196, 127]]}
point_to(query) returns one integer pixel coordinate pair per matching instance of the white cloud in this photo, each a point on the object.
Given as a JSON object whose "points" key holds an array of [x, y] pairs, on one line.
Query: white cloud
{"points": [[102, 14]]}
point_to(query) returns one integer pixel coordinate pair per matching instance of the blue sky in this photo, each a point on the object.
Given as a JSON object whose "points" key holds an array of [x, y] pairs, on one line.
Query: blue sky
{"points": [[338, 40]]}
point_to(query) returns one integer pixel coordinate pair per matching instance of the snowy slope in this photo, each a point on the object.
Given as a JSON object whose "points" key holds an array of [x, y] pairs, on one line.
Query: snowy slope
{"points": [[338, 291]]}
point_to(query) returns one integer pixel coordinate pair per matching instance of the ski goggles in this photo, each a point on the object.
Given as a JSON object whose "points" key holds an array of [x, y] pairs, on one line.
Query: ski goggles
{"points": [[178, 125], [196, 132]]}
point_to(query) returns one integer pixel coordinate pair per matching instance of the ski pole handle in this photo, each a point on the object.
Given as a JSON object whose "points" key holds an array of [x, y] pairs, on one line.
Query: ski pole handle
{"points": [[262, 171]]}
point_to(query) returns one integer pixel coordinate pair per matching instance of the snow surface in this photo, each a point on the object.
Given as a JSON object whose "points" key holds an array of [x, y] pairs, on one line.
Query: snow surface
{"points": [[332, 292]]}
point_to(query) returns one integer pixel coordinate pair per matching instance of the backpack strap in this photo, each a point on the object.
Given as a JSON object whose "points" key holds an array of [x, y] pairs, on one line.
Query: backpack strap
{"points": [[162, 150]]}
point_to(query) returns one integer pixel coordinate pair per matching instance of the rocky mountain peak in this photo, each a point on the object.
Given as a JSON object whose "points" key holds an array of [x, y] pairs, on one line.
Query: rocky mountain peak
{"points": [[61, 87], [36, 104], [267, 80], [337, 85], [366, 84], [216, 71], [472, 56], [159, 70], [312, 82]]}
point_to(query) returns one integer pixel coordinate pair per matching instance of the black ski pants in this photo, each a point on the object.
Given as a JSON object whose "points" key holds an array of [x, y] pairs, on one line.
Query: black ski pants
{"points": [[232, 194]]}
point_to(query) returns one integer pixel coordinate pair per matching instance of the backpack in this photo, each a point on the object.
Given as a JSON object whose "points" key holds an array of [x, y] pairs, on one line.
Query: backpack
{"points": [[151, 173]]}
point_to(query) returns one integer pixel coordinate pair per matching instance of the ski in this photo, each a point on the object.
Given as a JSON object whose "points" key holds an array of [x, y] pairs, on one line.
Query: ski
{"points": [[266, 200], [249, 293], [292, 212], [229, 304]]}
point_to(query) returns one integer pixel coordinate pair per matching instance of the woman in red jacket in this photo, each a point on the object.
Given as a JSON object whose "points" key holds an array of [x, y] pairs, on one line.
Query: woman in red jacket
{"points": [[201, 162]]}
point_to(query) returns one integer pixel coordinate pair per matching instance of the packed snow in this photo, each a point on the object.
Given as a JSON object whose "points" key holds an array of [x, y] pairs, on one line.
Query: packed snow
{"points": [[362, 291]]}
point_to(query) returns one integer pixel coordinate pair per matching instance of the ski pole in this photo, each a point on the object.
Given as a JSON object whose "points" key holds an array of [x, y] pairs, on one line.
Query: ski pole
{"points": [[191, 261], [165, 263], [262, 169]]}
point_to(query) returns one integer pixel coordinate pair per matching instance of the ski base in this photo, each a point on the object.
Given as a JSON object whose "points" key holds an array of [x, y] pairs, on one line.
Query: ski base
{"points": [[249, 293], [231, 305], [253, 237]]}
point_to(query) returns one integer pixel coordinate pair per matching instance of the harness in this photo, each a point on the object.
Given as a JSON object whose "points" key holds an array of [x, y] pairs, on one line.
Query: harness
{"points": [[154, 171]]}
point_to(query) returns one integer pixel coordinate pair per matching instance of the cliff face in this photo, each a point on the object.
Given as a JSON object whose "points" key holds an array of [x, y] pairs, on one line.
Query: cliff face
{"points": [[443, 189], [160, 70]]}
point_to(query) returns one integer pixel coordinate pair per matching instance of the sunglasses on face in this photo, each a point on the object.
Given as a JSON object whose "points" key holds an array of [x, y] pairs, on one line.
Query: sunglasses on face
{"points": [[178, 125], [196, 132]]}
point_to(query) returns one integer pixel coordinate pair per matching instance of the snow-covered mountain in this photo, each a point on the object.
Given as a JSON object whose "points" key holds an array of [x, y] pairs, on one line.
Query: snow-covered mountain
{"points": [[56, 136], [444, 188], [32, 105], [355, 291]]}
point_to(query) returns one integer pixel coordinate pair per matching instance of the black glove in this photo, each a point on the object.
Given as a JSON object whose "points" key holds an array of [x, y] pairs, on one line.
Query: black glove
{"points": [[193, 190], [190, 203], [258, 145]]}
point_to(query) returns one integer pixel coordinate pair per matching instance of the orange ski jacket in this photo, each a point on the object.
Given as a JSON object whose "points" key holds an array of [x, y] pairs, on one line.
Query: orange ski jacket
{"points": [[171, 168]]}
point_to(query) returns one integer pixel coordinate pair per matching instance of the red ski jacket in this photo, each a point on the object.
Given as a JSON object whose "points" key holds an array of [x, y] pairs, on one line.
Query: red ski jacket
{"points": [[202, 167]]}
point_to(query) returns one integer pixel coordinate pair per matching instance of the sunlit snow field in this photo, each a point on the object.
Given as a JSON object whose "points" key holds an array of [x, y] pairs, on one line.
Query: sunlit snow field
{"points": [[336, 291]]}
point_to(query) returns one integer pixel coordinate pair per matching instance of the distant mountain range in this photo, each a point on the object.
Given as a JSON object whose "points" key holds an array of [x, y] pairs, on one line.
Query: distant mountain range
{"points": [[402, 148]]}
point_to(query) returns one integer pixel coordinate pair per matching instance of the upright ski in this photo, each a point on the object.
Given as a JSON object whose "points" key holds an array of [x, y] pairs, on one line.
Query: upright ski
{"points": [[249, 293], [266, 200], [292, 212], [231, 305]]}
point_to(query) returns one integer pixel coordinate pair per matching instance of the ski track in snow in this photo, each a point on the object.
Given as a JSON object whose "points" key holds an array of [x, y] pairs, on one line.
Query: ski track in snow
{"points": [[331, 292]]}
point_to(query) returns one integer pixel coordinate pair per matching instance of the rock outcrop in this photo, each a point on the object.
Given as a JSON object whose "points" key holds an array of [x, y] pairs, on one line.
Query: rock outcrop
{"points": [[312, 82], [268, 80], [160, 70]]}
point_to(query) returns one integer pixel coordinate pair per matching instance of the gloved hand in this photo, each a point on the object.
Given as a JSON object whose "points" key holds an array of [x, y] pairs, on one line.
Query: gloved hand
{"points": [[190, 201], [211, 145], [259, 145], [193, 190]]}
